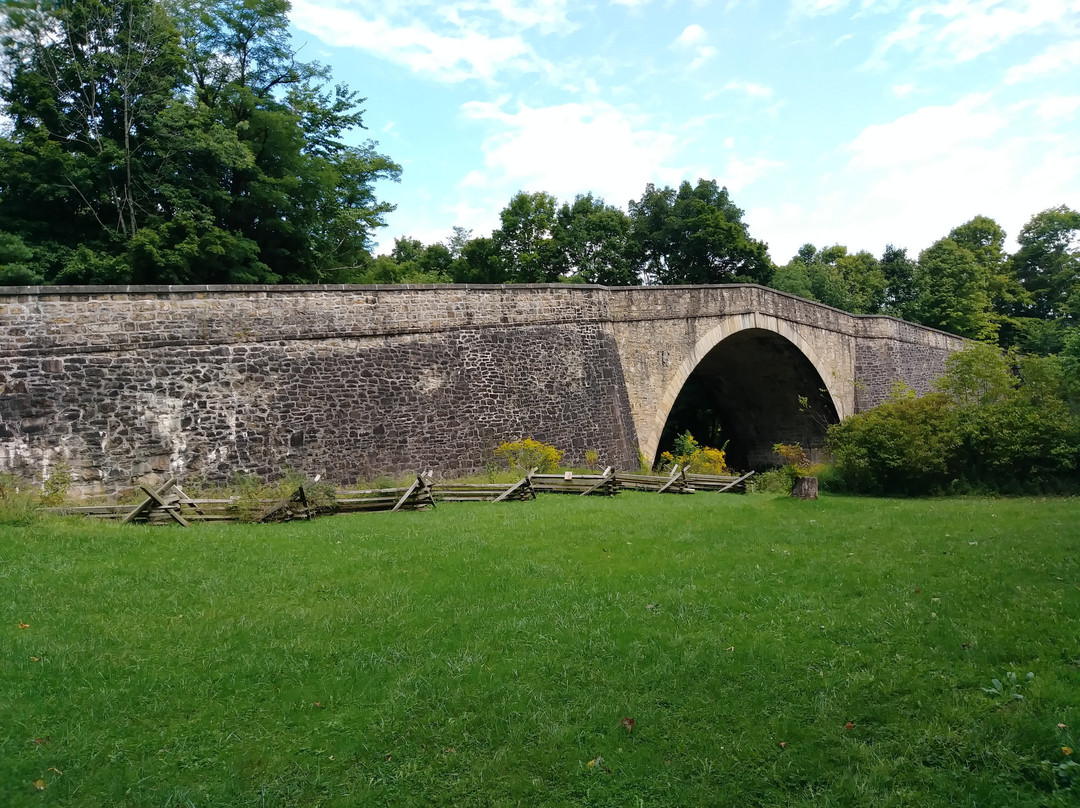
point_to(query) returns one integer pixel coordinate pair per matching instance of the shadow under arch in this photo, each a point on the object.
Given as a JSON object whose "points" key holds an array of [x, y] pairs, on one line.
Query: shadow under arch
{"points": [[745, 379]]}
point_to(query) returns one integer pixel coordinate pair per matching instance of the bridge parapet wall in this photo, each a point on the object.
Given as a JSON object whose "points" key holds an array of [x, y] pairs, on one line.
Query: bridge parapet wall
{"points": [[46, 320]]}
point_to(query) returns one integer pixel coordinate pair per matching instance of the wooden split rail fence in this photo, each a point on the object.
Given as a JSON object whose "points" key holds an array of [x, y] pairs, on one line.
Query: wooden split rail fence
{"points": [[169, 504]]}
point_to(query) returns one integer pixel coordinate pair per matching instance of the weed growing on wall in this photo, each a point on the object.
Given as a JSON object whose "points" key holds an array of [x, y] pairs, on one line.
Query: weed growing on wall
{"points": [[55, 486]]}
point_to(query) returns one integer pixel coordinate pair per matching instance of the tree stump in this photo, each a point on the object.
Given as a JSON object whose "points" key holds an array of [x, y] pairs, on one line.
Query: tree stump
{"points": [[805, 488]]}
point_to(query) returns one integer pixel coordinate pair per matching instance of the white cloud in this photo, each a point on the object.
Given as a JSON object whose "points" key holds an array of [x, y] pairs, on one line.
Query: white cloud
{"points": [[569, 149], [1050, 110], [903, 90], [740, 173], [1055, 59], [691, 36], [692, 39], [962, 30], [461, 54], [752, 89], [545, 15], [704, 55], [930, 132], [910, 181], [817, 8]]}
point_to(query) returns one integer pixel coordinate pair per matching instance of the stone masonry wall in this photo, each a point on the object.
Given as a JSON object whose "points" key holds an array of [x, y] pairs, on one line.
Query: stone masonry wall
{"points": [[130, 384], [342, 382], [888, 350]]}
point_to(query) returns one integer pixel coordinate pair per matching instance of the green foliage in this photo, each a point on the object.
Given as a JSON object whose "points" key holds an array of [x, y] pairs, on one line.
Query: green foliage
{"points": [[15, 256], [1011, 690], [18, 505], [55, 486], [695, 235], [688, 453], [997, 423], [524, 238], [773, 481], [900, 286], [592, 459], [795, 459], [644, 466], [953, 291], [592, 243], [525, 455], [177, 143], [1048, 263], [901, 447], [977, 375]]}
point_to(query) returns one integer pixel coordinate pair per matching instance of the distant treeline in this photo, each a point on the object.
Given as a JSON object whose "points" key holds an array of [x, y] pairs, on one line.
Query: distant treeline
{"points": [[965, 282]]}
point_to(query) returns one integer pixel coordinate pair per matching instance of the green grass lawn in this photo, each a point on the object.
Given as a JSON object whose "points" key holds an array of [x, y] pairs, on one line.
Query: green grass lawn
{"points": [[770, 651]]}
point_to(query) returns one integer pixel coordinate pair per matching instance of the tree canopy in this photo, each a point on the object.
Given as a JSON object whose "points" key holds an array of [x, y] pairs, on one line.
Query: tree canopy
{"points": [[153, 141], [695, 235]]}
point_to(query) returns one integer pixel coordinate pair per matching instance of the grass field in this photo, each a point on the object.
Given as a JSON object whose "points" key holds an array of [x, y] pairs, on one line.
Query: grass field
{"points": [[769, 651]]}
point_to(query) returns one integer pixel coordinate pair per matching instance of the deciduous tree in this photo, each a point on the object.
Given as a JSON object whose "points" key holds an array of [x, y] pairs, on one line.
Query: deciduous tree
{"points": [[695, 235]]}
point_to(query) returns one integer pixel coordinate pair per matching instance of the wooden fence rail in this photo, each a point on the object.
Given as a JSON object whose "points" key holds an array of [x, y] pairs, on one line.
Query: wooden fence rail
{"points": [[583, 485], [485, 492], [719, 482], [673, 483]]}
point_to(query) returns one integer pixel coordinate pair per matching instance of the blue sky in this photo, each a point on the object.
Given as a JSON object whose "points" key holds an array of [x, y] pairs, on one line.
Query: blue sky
{"points": [[859, 122]]}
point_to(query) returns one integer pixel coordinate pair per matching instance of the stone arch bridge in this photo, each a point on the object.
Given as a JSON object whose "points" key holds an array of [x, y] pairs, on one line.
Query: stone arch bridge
{"points": [[125, 384]]}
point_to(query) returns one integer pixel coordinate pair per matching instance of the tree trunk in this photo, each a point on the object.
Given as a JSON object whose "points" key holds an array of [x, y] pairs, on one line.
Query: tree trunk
{"points": [[805, 488]]}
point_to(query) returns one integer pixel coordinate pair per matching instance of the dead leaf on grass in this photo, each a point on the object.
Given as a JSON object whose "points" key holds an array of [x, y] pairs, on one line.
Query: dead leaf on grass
{"points": [[628, 723], [40, 785], [23, 625], [849, 725]]}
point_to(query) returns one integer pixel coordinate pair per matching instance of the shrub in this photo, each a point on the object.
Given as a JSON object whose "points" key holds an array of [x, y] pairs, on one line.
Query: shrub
{"points": [[592, 458], [903, 446], [525, 455], [795, 459], [773, 481], [700, 459], [998, 423]]}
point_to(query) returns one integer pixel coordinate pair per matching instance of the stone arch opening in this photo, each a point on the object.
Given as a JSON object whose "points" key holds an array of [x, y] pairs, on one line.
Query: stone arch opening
{"points": [[746, 390]]}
